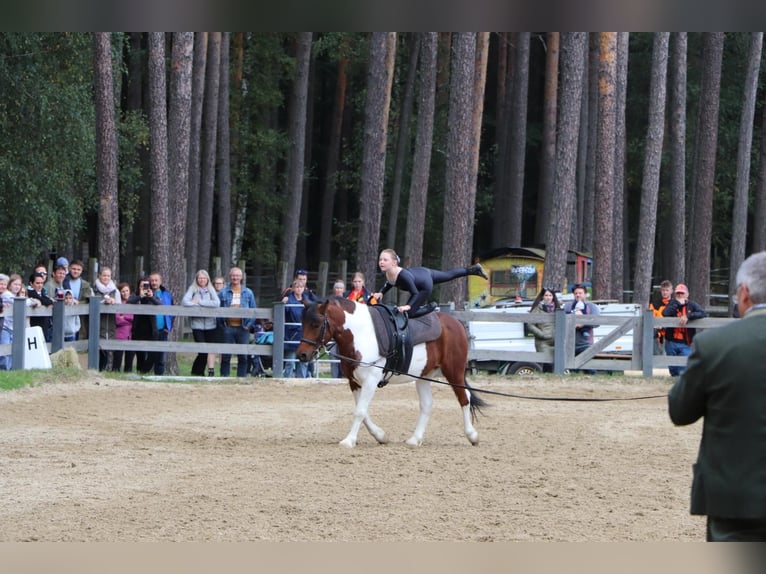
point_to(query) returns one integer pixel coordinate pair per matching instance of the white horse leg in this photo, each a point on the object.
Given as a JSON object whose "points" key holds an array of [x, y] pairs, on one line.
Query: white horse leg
{"points": [[470, 432], [426, 405], [362, 398]]}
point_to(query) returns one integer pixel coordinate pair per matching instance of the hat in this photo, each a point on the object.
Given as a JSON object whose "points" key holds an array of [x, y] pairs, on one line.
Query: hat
{"points": [[681, 288], [62, 262]]}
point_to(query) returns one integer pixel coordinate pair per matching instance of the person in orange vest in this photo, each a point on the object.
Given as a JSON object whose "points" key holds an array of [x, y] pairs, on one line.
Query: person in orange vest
{"points": [[678, 340], [359, 292], [657, 303]]}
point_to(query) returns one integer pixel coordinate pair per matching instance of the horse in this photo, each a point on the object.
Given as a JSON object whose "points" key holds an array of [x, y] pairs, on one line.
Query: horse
{"points": [[350, 324]]}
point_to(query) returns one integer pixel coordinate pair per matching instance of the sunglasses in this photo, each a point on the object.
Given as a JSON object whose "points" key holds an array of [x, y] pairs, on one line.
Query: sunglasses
{"points": [[301, 272]]}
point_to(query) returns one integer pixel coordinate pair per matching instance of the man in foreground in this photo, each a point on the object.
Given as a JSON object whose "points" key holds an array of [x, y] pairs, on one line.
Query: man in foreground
{"points": [[725, 383]]}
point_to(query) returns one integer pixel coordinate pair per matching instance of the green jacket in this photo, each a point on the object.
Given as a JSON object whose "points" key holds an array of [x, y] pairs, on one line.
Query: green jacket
{"points": [[725, 382]]}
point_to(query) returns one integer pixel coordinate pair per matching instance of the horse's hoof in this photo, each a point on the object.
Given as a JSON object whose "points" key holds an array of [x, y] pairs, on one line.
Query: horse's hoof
{"points": [[413, 442], [348, 443], [382, 439], [473, 438]]}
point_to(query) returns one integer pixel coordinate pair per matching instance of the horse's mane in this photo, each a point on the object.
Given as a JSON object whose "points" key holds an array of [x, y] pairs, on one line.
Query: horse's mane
{"points": [[312, 314]]}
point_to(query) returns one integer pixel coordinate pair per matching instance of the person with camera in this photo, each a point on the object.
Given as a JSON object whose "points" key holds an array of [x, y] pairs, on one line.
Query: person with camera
{"points": [[583, 333], [144, 326]]}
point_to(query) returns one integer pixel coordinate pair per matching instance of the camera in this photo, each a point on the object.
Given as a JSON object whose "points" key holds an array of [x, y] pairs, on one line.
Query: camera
{"points": [[145, 288]]}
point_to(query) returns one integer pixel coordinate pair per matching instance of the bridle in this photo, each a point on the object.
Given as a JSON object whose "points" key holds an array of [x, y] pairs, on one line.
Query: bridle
{"points": [[321, 342]]}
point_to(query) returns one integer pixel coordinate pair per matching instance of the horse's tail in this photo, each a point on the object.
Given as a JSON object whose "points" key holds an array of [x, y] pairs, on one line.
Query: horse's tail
{"points": [[475, 402]]}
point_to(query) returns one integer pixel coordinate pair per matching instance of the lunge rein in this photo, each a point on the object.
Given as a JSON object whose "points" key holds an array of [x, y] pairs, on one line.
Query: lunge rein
{"points": [[320, 345]]}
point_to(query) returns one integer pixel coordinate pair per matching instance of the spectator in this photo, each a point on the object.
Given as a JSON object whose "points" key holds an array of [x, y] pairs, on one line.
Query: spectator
{"points": [[62, 262], [218, 284], [724, 384], [545, 302], [144, 326], [294, 330], [105, 288], [308, 294], [81, 291], [123, 332], [583, 333], [71, 322], [164, 322], [55, 284], [678, 340], [359, 292], [657, 304], [201, 294], [236, 329], [15, 289], [6, 308], [39, 295], [338, 290]]}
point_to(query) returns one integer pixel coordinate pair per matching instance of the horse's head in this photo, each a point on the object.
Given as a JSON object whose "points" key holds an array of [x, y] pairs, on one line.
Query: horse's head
{"points": [[316, 331]]}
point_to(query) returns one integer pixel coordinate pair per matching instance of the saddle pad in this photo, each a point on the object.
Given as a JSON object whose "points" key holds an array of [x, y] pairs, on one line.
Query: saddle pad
{"points": [[422, 329]]}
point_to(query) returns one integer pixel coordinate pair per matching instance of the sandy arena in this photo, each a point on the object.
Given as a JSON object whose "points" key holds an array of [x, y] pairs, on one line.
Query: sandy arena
{"points": [[118, 460]]}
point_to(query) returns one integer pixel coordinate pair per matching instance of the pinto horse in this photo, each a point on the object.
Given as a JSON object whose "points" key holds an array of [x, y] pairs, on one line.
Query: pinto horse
{"points": [[350, 324]]}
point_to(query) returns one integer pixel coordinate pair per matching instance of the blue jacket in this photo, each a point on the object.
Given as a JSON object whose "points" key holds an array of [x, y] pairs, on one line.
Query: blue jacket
{"points": [[166, 298], [246, 300]]}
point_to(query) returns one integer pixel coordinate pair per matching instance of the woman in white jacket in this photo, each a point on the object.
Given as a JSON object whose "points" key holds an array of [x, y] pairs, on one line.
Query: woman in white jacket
{"points": [[201, 293]]}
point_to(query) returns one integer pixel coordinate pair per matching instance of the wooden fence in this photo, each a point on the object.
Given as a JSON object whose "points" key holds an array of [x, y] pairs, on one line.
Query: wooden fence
{"points": [[564, 358], [640, 359]]}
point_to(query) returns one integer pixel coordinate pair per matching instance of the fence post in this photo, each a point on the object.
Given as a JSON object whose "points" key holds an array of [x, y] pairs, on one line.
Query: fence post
{"points": [[19, 333], [559, 349], [278, 349], [322, 279], [57, 340], [647, 344], [94, 331]]}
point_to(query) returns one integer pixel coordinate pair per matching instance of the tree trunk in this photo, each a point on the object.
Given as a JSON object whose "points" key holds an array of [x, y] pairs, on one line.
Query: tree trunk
{"points": [[707, 141], [416, 211], [479, 88], [333, 157], [377, 105], [403, 142], [460, 196], [759, 209], [548, 146], [584, 160], [239, 192], [620, 259], [158, 143], [572, 61], [296, 153], [500, 195], [745, 144], [518, 140], [179, 132], [224, 202], [106, 154], [209, 143], [676, 236], [603, 216], [587, 201], [655, 133], [195, 154]]}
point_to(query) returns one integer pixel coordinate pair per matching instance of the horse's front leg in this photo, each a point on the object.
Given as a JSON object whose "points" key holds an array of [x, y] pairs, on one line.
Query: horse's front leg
{"points": [[426, 405], [362, 398]]}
